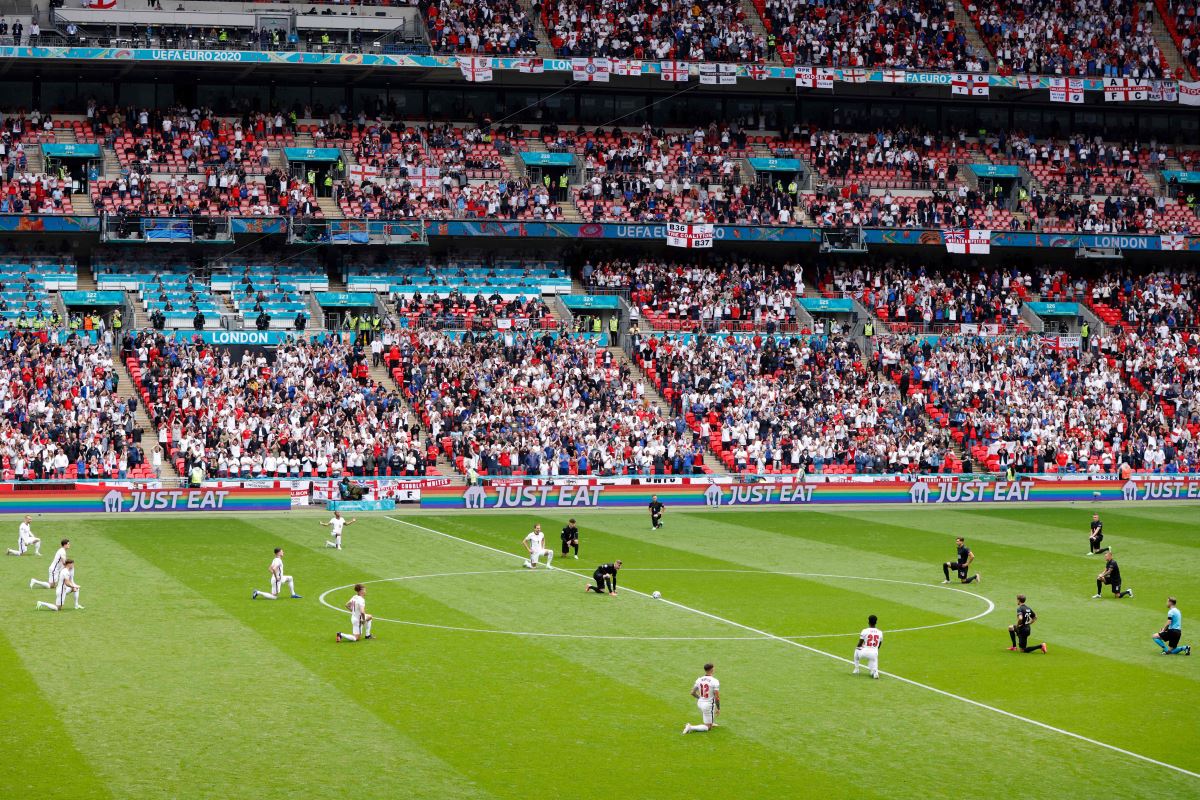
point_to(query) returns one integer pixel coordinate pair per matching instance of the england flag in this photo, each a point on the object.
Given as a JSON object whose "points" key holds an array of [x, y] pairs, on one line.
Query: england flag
{"points": [[531, 66], [475, 69], [1066, 90], [691, 236], [1173, 241], [627, 68], [970, 85], [595, 70], [673, 71], [972, 241]]}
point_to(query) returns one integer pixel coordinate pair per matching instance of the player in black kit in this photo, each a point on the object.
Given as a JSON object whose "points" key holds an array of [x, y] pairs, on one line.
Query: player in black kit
{"points": [[1096, 537], [1112, 577], [1019, 633], [963, 564], [656, 512], [570, 537], [606, 579]]}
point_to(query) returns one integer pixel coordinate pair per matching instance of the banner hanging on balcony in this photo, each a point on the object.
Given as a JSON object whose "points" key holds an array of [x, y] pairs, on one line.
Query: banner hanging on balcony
{"points": [[681, 234]]}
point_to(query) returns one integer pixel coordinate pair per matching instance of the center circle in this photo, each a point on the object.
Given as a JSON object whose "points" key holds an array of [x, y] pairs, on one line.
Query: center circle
{"points": [[620, 637]]}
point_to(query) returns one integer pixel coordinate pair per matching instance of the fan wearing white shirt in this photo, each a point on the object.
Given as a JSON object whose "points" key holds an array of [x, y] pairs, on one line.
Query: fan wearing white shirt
{"points": [[360, 620], [278, 580], [867, 651], [66, 586], [535, 543], [56, 565], [337, 523], [707, 691], [26, 539]]}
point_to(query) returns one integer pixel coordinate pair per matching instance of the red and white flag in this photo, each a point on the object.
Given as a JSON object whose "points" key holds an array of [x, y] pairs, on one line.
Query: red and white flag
{"points": [[1189, 93], [895, 76], [361, 172], [626, 67], [758, 72], [718, 74], [596, 70], [101, 4], [969, 84], [1173, 241], [531, 66], [476, 69], [855, 75], [1125, 90], [1066, 90], [1028, 81], [673, 70], [424, 177], [814, 77], [680, 234], [972, 241]]}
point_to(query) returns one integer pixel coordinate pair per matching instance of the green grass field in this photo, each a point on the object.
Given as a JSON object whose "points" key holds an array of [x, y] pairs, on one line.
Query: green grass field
{"points": [[173, 683]]}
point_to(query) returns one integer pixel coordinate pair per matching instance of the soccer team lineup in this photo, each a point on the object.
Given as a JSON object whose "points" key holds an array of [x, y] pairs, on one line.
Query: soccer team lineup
{"points": [[1008, 619]]}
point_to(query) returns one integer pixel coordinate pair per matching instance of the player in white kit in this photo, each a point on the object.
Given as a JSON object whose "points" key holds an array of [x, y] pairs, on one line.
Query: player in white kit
{"points": [[869, 642], [56, 565], [26, 539], [707, 691], [337, 523], [66, 585], [278, 580], [360, 620], [535, 543]]}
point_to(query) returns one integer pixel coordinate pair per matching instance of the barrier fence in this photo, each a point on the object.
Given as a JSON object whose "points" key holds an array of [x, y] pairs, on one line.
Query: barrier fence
{"points": [[582, 492]]}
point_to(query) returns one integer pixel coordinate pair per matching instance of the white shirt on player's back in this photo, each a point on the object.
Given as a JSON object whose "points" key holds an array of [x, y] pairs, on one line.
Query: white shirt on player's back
{"points": [[337, 523], [706, 687], [871, 638], [358, 606], [536, 540], [25, 532]]}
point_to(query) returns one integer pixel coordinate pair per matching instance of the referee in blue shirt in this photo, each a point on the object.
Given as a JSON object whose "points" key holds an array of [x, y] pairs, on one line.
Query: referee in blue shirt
{"points": [[1168, 637]]}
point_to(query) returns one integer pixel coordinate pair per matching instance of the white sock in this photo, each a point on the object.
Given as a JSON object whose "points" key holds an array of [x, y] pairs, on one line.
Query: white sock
{"points": [[15, 553], [330, 544], [368, 630], [697, 728], [50, 606], [349, 637], [76, 593], [43, 584], [291, 584], [267, 595]]}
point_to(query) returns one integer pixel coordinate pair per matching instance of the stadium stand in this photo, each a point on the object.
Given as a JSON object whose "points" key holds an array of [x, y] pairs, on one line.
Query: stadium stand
{"points": [[494, 27]]}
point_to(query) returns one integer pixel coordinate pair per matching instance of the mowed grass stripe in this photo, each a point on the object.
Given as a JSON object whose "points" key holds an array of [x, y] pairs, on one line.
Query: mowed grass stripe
{"points": [[1085, 702], [37, 736], [439, 700], [212, 712]]}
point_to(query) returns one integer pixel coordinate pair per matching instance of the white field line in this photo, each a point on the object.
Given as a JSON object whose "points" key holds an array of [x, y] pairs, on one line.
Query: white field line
{"points": [[789, 642]]}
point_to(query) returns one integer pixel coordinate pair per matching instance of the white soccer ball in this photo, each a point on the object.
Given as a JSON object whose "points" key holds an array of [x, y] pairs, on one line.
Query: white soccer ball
{"points": [[657, 595]]}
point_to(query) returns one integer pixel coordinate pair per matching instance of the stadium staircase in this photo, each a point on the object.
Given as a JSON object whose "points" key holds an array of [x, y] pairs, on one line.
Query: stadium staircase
{"points": [[713, 464], [380, 375], [963, 22], [329, 208], [754, 22], [1166, 43], [539, 30], [142, 419]]}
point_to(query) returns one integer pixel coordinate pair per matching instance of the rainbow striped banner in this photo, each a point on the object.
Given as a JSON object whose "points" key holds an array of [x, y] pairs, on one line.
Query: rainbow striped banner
{"points": [[112, 500], [585, 493]]}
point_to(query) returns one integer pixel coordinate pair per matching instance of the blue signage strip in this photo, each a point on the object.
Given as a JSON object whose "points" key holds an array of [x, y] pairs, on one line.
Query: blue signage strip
{"points": [[1183, 176], [538, 159], [345, 299], [312, 153], [833, 305], [1054, 309], [589, 301], [775, 164], [93, 298], [996, 170], [71, 150]]}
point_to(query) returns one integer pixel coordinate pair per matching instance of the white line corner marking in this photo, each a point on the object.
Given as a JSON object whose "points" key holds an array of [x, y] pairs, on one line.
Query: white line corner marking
{"points": [[909, 681]]}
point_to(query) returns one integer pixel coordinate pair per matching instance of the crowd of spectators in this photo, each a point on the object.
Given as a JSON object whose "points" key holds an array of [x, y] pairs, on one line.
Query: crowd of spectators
{"points": [[1070, 37], [537, 404], [1183, 22], [310, 410], [62, 415], [912, 34], [701, 30], [900, 157], [715, 295], [476, 312], [401, 198], [215, 193], [784, 405], [640, 198], [491, 27]]}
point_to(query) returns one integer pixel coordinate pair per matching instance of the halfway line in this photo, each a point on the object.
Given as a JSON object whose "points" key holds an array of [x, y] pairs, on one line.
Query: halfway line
{"points": [[900, 678]]}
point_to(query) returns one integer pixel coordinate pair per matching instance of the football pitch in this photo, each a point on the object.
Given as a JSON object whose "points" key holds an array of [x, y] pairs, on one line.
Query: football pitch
{"points": [[488, 680]]}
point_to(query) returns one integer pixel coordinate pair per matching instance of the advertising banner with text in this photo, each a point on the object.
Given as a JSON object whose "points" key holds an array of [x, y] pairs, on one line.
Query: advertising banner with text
{"points": [[116, 499], [718, 493]]}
